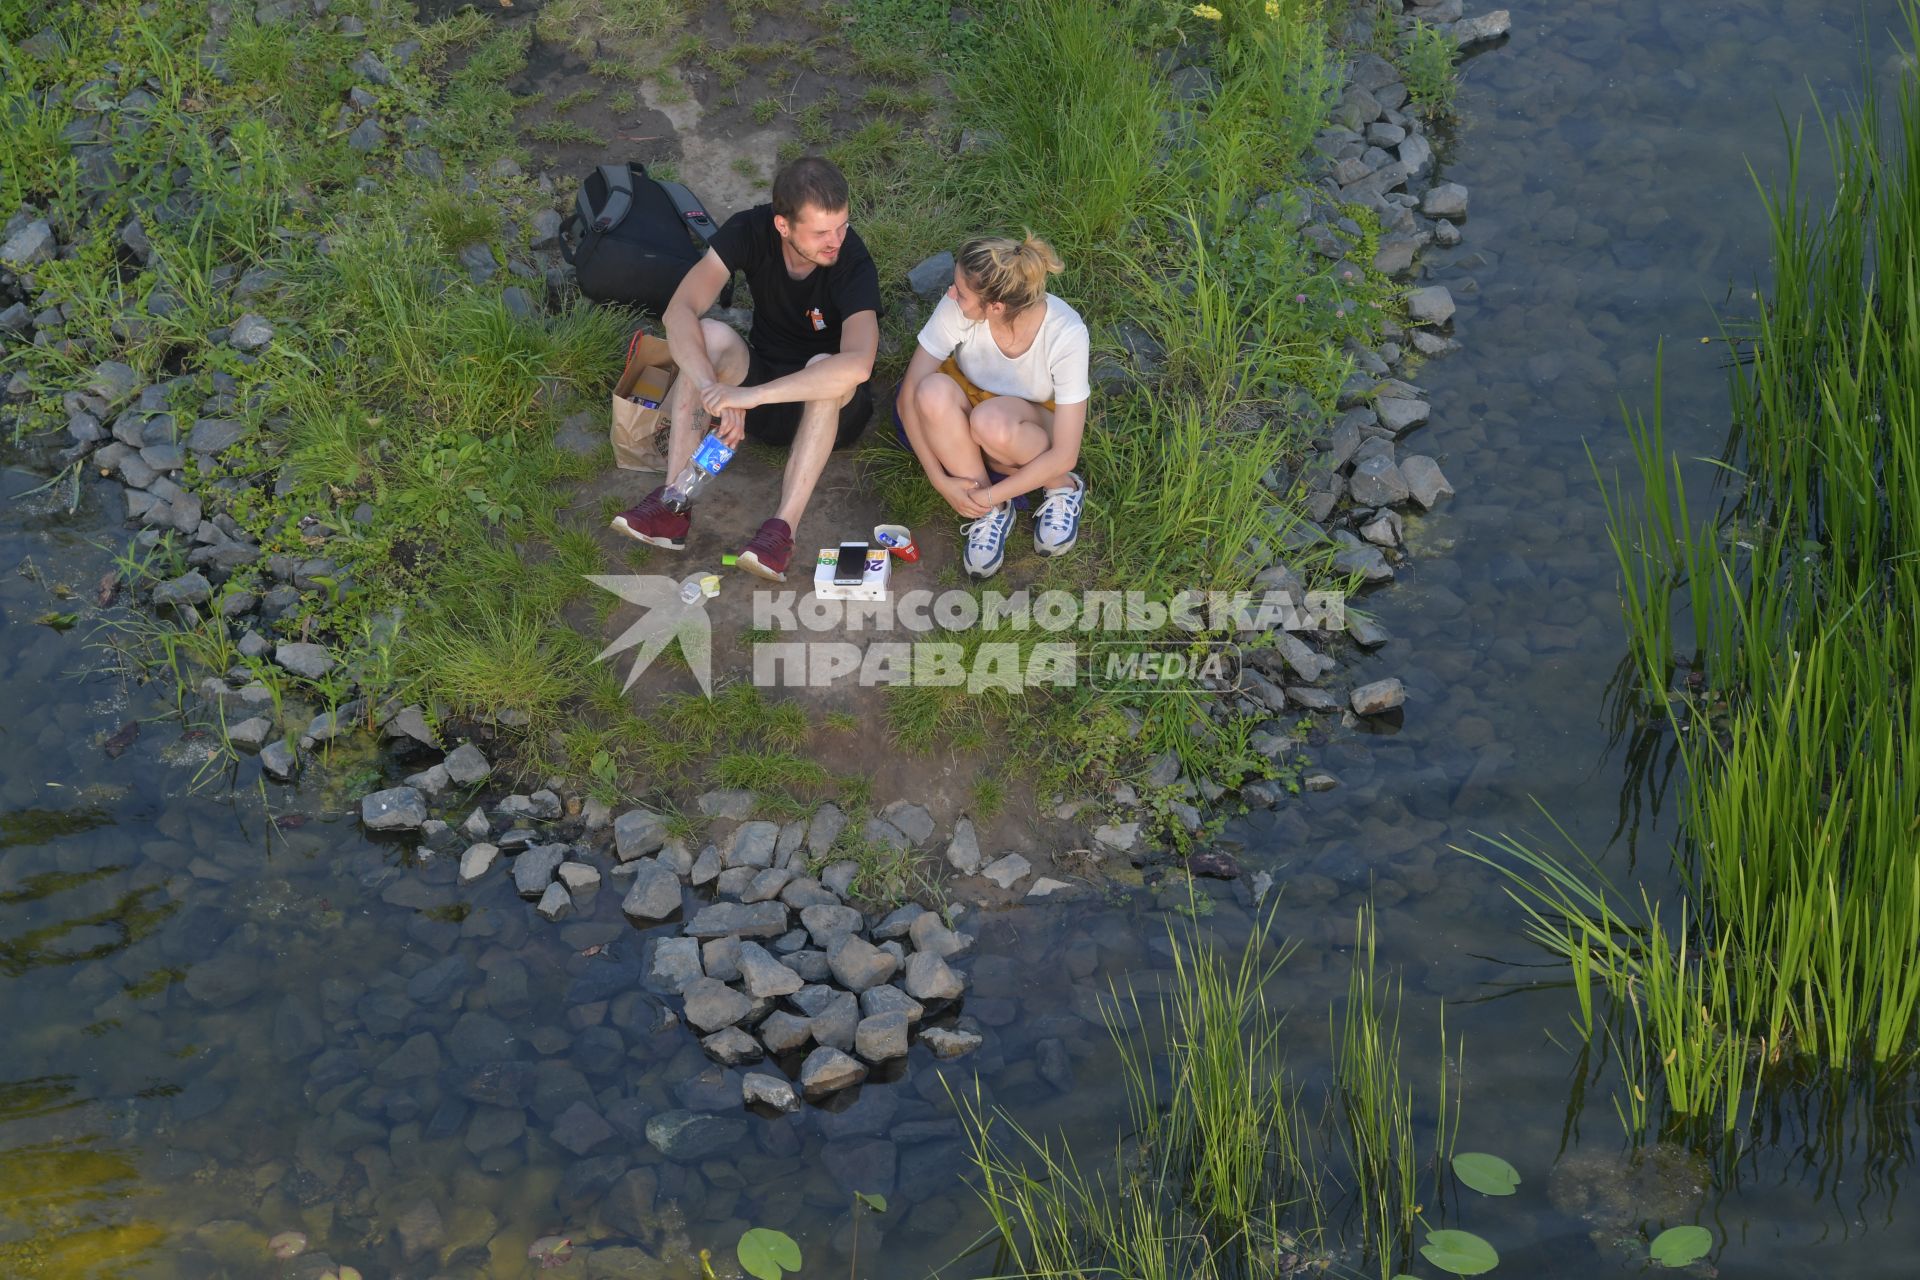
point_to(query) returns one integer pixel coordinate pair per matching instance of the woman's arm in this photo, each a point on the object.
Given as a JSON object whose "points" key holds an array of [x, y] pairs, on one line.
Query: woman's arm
{"points": [[1050, 467]]}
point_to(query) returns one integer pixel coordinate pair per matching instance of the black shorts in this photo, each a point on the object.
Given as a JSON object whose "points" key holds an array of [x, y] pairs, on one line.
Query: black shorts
{"points": [[777, 424]]}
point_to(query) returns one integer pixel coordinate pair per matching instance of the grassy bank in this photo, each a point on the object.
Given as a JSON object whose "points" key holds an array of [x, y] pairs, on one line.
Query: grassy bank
{"points": [[1772, 631], [1228, 1166], [361, 182]]}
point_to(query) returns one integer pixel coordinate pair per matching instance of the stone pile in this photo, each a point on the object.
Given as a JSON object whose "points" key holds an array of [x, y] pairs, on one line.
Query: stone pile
{"points": [[771, 965]]}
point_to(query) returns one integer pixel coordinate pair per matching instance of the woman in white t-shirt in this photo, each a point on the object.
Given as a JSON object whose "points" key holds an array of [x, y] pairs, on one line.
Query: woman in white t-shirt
{"points": [[995, 401]]}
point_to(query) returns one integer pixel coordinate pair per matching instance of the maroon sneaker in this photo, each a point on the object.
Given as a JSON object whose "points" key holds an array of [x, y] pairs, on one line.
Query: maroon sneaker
{"points": [[652, 523], [767, 554]]}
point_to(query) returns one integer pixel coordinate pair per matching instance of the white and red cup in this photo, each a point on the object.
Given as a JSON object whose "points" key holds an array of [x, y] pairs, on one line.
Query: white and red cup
{"points": [[897, 539]]}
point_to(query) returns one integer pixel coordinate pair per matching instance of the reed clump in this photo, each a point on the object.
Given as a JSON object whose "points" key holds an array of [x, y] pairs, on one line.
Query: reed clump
{"points": [[1775, 635]]}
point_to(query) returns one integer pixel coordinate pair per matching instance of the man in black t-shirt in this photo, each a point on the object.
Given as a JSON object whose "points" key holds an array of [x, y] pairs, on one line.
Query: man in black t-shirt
{"points": [[800, 378]]}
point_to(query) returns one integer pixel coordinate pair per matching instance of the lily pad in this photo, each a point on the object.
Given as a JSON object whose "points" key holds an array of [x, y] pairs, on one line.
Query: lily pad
{"points": [[1681, 1246], [877, 1203], [768, 1254], [1489, 1175], [1460, 1252]]}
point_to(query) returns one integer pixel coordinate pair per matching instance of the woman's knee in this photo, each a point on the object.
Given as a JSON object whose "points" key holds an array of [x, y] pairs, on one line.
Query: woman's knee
{"points": [[937, 393]]}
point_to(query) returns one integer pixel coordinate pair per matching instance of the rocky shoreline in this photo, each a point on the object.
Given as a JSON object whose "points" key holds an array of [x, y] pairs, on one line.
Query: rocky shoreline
{"points": [[1359, 483]]}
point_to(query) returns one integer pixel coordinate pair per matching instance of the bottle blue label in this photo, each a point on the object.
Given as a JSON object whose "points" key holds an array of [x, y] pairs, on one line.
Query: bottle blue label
{"points": [[712, 455]]}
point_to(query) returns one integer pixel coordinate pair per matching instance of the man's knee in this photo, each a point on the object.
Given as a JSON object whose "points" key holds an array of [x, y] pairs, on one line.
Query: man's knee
{"points": [[844, 400], [726, 349]]}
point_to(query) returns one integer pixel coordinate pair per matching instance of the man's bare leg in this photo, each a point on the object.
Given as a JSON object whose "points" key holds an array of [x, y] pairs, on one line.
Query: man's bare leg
{"points": [[689, 418], [807, 456]]}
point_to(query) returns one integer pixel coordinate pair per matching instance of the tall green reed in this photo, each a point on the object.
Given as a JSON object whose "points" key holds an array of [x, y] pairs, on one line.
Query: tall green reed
{"points": [[1791, 608]]}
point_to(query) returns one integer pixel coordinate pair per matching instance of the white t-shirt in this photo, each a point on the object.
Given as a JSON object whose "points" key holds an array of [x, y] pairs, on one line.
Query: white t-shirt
{"points": [[1053, 368]]}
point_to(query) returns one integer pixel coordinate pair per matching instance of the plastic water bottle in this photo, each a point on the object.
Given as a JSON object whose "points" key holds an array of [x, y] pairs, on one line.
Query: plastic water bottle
{"points": [[710, 457]]}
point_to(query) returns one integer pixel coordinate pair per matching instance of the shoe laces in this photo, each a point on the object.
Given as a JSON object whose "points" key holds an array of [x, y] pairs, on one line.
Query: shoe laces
{"points": [[1060, 510], [985, 533]]}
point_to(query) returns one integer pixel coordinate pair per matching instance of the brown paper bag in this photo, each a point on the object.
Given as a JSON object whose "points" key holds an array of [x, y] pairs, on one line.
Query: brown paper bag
{"points": [[640, 405]]}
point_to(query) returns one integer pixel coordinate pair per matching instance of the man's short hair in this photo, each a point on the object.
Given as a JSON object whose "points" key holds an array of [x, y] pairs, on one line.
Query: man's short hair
{"points": [[809, 181]]}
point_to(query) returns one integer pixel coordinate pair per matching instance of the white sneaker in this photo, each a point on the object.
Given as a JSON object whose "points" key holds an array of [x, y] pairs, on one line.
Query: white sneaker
{"points": [[987, 541], [1056, 526]]}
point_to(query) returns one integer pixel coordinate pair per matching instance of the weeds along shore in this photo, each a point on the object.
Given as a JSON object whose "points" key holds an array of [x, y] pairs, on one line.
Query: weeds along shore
{"points": [[286, 276]]}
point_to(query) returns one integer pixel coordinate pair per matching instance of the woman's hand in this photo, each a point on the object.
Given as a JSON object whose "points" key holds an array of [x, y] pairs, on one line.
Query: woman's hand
{"points": [[960, 495]]}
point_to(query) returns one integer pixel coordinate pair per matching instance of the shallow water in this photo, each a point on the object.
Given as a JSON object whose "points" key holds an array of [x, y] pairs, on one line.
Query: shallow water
{"points": [[229, 1014]]}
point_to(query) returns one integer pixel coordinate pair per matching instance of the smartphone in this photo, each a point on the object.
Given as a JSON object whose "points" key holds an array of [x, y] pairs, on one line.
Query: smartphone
{"points": [[850, 569]]}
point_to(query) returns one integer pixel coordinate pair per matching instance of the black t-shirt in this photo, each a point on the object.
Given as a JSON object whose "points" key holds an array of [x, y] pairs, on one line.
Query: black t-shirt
{"points": [[795, 320]]}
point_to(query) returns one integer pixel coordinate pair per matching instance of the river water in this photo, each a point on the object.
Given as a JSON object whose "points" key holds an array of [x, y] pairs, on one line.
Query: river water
{"points": [[215, 993]]}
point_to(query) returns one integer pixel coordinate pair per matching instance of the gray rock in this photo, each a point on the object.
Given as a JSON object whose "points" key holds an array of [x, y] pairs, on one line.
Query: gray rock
{"points": [[654, 895], [720, 957], [211, 436], [804, 891], [1425, 481], [898, 922], [579, 1129], [367, 136], [1481, 28], [555, 902], [187, 589], [793, 838], [912, 820], [711, 1005], [688, 1137], [811, 965], [411, 722], [751, 845], [730, 1046], [250, 333], [533, 869], [1008, 871], [764, 977], [759, 1089], [878, 831], [429, 782], [929, 977], [963, 851], [930, 278], [733, 803], [309, 660], [1416, 154], [930, 935], [1431, 305], [840, 877], [637, 833], [279, 760], [857, 964], [1377, 482], [829, 923], [827, 1071], [832, 1022], [113, 382], [948, 1043], [890, 999], [767, 885], [477, 861], [251, 733], [30, 245], [881, 1037], [676, 962], [1122, 837], [706, 868], [476, 827], [1378, 697], [823, 831], [784, 1032], [1447, 200], [755, 920], [1053, 1064], [395, 809], [18, 320], [546, 229], [581, 880], [479, 261], [1397, 414], [467, 765]]}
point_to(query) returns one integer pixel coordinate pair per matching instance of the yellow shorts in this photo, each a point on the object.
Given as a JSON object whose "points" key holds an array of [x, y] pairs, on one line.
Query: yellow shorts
{"points": [[951, 367]]}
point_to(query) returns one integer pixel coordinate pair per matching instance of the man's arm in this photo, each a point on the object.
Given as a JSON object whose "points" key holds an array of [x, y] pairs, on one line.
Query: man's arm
{"points": [[698, 290], [831, 379]]}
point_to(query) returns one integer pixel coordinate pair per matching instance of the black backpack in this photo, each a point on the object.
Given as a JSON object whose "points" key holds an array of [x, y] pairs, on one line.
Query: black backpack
{"points": [[632, 237]]}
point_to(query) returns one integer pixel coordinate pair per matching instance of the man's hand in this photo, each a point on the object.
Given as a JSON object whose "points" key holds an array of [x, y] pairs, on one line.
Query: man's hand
{"points": [[719, 397], [959, 493], [730, 427]]}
